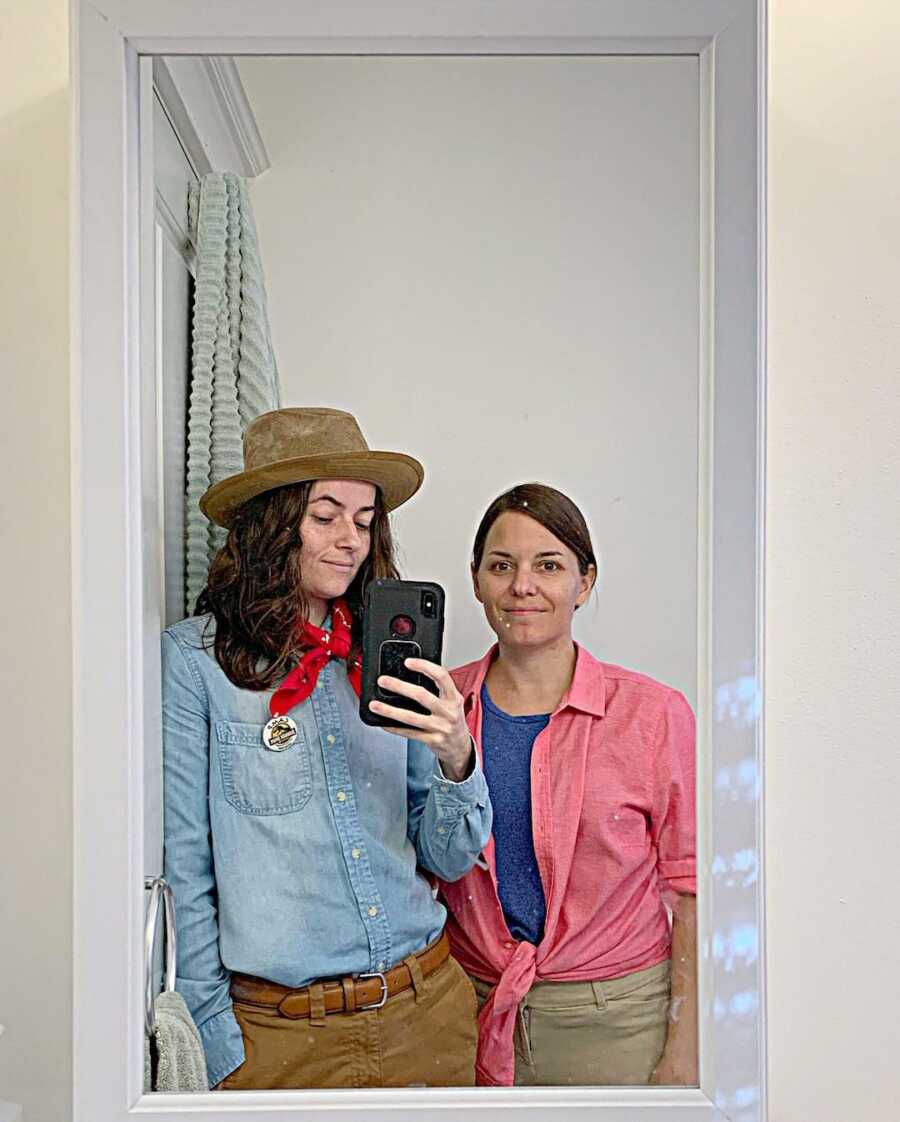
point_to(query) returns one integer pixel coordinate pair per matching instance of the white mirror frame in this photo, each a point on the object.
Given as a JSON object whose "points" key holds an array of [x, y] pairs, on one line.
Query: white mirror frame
{"points": [[116, 520]]}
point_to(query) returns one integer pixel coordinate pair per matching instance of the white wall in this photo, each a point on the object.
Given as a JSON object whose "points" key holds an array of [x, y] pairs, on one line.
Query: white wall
{"points": [[35, 664], [833, 705], [493, 264], [833, 765]]}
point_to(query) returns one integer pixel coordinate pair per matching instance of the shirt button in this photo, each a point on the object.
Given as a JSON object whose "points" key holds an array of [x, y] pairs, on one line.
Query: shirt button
{"points": [[329, 739], [354, 853], [341, 797], [445, 787], [373, 911], [441, 830], [381, 966]]}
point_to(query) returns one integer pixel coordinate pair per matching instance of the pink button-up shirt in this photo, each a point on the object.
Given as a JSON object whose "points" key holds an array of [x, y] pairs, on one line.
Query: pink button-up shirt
{"points": [[613, 817]]}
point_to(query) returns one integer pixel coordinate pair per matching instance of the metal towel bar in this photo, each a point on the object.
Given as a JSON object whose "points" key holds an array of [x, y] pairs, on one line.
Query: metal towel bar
{"points": [[159, 890]]}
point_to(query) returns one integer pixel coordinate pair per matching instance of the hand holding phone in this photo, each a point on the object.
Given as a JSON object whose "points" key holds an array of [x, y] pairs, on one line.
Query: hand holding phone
{"points": [[442, 727], [402, 692]]}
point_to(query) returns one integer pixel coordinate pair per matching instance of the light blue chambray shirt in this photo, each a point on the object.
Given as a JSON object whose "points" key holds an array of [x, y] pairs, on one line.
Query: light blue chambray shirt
{"points": [[299, 864]]}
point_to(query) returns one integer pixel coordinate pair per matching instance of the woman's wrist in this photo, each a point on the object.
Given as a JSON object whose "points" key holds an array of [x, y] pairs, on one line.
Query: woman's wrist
{"points": [[461, 764]]}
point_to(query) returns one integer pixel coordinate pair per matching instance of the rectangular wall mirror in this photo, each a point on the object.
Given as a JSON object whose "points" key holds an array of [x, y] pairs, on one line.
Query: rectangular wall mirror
{"points": [[519, 247]]}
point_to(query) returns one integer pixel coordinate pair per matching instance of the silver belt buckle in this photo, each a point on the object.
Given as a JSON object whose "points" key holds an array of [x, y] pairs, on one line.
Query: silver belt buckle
{"points": [[384, 991]]}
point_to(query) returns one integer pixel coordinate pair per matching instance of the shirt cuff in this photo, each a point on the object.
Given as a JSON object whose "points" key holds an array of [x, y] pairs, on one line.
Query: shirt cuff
{"points": [[679, 876], [223, 1043]]}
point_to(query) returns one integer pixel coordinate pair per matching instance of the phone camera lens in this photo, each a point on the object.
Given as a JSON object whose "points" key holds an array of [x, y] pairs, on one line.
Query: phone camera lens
{"points": [[402, 627]]}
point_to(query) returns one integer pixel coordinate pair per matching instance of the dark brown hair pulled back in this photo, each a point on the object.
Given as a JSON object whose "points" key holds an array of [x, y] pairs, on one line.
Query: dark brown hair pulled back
{"points": [[254, 588], [552, 509]]}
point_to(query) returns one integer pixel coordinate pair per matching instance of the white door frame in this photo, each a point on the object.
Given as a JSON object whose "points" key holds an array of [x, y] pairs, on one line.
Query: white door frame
{"points": [[115, 519]]}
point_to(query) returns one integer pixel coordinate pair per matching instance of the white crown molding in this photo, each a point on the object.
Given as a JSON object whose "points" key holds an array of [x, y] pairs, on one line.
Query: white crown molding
{"points": [[180, 116], [235, 107], [205, 101]]}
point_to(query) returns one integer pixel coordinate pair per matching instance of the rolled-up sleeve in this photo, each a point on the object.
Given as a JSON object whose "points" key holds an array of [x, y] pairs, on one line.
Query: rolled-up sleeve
{"points": [[201, 979], [449, 823], [674, 797]]}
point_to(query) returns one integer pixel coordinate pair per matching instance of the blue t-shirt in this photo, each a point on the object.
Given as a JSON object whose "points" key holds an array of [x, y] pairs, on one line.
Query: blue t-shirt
{"points": [[507, 743]]}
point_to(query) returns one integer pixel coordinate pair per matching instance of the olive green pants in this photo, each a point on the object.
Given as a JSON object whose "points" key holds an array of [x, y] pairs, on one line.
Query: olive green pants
{"points": [[591, 1033]]}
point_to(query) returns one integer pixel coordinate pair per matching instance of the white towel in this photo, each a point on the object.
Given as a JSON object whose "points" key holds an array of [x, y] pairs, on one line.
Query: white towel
{"points": [[181, 1062]]}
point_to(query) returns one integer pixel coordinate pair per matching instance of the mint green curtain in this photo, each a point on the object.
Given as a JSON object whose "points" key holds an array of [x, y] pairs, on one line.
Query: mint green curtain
{"points": [[234, 376]]}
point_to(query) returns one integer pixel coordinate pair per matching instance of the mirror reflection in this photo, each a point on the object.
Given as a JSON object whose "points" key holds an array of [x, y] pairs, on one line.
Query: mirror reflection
{"points": [[425, 800]]}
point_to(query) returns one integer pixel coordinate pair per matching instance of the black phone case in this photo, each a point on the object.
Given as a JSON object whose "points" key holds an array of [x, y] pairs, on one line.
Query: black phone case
{"points": [[384, 649]]}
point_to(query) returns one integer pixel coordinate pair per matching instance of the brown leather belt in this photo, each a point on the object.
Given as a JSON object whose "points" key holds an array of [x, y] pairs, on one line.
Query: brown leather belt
{"points": [[353, 995]]}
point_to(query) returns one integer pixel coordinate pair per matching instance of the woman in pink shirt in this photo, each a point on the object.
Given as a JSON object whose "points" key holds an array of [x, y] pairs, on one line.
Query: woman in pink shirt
{"points": [[563, 925]]}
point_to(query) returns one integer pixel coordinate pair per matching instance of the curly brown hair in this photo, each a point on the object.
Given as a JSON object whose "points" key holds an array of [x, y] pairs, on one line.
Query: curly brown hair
{"points": [[254, 588]]}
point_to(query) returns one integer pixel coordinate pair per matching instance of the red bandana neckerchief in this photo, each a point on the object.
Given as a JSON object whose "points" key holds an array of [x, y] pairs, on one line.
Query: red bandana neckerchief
{"points": [[318, 646]]}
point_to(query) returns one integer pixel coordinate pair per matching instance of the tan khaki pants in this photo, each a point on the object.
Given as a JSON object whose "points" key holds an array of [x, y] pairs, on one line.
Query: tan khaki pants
{"points": [[595, 1033], [417, 1038]]}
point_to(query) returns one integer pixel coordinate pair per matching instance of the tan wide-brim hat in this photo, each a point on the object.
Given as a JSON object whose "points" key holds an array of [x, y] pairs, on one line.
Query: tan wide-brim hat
{"points": [[294, 445]]}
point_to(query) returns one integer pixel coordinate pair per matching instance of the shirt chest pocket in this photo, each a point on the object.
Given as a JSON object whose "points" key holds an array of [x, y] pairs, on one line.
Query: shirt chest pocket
{"points": [[628, 826], [258, 780]]}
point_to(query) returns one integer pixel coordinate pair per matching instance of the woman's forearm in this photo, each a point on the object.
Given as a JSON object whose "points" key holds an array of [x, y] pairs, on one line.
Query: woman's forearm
{"points": [[679, 1062], [683, 1013]]}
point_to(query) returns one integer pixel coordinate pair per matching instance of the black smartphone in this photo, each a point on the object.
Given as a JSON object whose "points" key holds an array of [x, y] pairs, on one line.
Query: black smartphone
{"points": [[401, 619]]}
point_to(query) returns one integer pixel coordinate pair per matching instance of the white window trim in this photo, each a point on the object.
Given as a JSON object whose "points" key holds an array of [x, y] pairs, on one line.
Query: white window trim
{"points": [[115, 648]]}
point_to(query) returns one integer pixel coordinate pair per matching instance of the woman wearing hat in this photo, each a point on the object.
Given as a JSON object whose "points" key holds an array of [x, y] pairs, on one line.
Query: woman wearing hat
{"points": [[311, 950], [590, 767]]}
